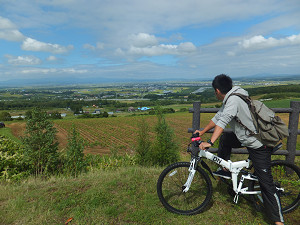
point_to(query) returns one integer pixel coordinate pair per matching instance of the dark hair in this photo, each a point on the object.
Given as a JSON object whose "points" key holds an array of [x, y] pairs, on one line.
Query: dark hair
{"points": [[223, 83]]}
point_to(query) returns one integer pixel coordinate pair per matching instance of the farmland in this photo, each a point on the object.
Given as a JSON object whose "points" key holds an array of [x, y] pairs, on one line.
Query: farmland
{"points": [[119, 130], [104, 134]]}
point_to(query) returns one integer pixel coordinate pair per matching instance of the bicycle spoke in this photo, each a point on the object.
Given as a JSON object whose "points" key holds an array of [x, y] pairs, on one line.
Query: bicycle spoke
{"points": [[171, 186]]}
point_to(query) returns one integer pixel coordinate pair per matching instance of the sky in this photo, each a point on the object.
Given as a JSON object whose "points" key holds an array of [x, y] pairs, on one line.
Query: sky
{"points": [[99, 41]]}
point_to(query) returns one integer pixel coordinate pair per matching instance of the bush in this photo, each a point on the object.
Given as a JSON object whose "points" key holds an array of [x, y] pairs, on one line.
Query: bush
{"points": [[40, 145], [109, 162], [75, 162], [55, 115], [5, 116], [144, 143], [12, 164], [164, 149]]}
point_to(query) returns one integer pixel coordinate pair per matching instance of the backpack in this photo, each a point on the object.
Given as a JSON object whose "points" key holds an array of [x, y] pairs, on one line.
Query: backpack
{"points": [[270, 129]]}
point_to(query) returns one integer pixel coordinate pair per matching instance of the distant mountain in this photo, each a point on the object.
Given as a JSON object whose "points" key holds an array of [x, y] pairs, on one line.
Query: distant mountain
{"points": [[100, 80]]}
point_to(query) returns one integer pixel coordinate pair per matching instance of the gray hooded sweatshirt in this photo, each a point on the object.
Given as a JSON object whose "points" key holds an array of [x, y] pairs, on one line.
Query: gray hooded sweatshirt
{"points": [[236, 107]]}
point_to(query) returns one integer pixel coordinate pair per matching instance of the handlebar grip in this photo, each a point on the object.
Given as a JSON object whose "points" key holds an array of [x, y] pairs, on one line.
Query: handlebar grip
{"points": [[196, 139]]}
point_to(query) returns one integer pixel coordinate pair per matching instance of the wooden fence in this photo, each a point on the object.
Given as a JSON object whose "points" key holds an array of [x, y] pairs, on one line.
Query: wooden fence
{"points": [[291, 152]]}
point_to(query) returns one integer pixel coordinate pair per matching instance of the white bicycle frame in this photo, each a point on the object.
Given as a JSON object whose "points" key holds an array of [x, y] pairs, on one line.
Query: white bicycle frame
{"points": [[234, 167]]}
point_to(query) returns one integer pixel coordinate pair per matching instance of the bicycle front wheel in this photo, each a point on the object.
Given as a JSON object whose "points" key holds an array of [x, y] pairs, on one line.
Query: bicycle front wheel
{"points": [[286, 178], [170, 186]]}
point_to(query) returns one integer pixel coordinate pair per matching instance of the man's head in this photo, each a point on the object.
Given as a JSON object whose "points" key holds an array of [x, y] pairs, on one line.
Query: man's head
{"points": [[223, 83]]}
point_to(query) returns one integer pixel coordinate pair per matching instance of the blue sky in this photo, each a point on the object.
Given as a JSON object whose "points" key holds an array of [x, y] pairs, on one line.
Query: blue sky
{"points": [[118, 40]]}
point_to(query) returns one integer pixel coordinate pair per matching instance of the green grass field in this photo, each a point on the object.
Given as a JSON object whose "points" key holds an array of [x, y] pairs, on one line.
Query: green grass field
{"points": [[122, 196]]}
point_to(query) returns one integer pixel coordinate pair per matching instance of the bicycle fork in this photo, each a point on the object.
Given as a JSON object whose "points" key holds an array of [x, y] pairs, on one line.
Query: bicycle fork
{"points": [[192, 170]]}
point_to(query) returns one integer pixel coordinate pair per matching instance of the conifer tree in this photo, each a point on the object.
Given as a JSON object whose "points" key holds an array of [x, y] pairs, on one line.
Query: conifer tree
{"points": [[40, 145]]}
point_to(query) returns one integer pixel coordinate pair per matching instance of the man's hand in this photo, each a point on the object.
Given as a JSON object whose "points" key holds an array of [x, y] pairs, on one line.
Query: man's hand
{"points": [[198, 131], [204, 145]]}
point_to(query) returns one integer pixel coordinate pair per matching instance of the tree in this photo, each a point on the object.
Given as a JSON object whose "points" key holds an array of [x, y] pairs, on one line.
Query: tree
{"points": [[164, 149], [144, 143], [5, 116], [105, 114], [40, 145], [55, 115], [75, 162]]}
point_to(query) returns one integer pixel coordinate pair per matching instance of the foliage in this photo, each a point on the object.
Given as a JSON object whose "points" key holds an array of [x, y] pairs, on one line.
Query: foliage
{"points": [[55, 115], [106, 162], [164, 149], [5, 116], [12, 165], [40, 145], [87, 115], [75, 162], [143, 142]]}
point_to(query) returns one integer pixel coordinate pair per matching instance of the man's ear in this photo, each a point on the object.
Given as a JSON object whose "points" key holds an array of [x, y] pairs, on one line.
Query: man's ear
{"points": [[218, 91]]}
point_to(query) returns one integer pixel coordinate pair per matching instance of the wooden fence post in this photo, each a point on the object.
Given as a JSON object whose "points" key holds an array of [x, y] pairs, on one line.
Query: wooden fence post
{"points": [[293, 129], [196, 115]]}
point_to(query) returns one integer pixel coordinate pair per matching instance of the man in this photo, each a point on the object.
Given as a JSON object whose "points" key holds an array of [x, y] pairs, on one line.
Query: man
{"points": [[234, 108]]}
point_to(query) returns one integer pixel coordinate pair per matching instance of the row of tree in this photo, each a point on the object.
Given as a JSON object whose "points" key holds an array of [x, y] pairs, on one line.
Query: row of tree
{"points": [[38, 154]]}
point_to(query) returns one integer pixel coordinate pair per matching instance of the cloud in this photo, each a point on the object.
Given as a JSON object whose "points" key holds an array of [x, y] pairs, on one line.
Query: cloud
{"points": [[53, 71], [51, 58], [98, 46], [8, 31], [30, 44], [143, 44], [142, 40], [260, 42], [23, 60]]}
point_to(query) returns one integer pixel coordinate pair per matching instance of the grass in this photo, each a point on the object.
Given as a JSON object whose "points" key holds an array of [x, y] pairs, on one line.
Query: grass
{"points": [[7, 132], [123, 196]]}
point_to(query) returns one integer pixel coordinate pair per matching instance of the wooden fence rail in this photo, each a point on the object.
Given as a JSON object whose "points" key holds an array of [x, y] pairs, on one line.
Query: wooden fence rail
{"points": [[291, 152]]}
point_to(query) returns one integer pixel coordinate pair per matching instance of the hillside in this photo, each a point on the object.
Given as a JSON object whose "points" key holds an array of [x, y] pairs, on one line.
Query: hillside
{"points": [[123, 196]]}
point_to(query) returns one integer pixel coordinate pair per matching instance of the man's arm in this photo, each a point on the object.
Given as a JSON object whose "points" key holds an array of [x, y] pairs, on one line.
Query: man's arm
{"points": [[208, 127], [217, 132]]}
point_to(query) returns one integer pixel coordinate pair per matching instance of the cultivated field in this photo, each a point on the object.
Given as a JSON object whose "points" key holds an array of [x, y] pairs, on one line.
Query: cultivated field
{"points": [[105, 134]]}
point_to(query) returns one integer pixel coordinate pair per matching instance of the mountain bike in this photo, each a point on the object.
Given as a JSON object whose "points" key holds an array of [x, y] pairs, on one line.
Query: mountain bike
{"points": [[185, 187]]}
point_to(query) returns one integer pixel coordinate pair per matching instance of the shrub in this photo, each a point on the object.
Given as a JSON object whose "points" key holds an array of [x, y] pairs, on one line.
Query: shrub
{"points": [[75, 162], [40, 145], [12, 164], [5, 116], [144, 142], [164, 149]]}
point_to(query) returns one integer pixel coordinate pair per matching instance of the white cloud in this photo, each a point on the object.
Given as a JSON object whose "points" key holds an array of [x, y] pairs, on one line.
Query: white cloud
{"points": [[8, 31], [53, 71], [52, 58], [143, 44], [99, 46], [142, 40], [30, 44], [260, 42], [23, 60]]}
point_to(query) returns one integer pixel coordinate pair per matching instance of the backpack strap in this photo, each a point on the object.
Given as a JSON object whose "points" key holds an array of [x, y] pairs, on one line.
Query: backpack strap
{"points": [[247, 99]]}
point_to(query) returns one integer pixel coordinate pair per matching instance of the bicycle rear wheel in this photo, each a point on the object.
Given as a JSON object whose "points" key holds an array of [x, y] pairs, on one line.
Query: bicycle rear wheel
{"points": [[286, 177], [170, 186]]}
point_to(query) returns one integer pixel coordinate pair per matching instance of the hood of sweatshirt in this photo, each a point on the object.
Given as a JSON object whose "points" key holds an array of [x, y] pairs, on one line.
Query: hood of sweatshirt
{"points": [[235, 89]]}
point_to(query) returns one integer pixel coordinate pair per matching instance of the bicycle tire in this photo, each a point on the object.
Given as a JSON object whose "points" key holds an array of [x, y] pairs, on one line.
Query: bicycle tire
{"points": [[286, 176], [170, 189]]}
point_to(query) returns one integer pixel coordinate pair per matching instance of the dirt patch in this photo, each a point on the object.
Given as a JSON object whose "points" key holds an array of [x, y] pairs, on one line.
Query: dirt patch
{"points": [[17, 129]]}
